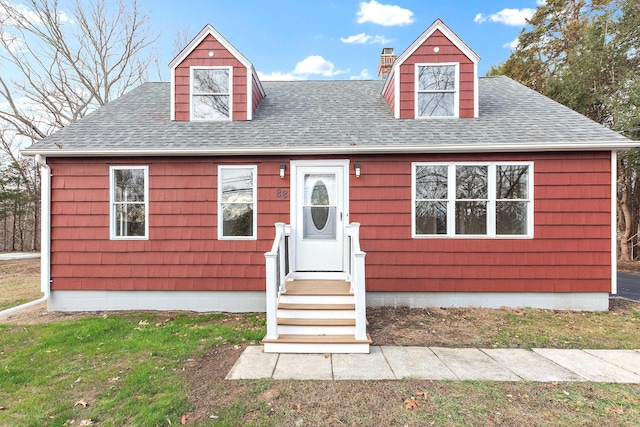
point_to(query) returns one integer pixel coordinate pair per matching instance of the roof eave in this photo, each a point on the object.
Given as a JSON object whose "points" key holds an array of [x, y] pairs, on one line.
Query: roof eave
{"points": [[302, 151]]}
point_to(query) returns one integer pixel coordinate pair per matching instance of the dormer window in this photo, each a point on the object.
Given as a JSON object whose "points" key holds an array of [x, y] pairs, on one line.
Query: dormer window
{"points": [[437, 90], [211, 93]]}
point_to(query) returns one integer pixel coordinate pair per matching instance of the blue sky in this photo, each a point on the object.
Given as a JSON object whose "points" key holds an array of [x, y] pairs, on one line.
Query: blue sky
{"points": [[337, 39]]}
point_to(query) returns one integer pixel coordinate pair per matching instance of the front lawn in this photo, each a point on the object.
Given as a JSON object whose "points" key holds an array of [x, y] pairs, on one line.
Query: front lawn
{"points": [[115, 370]]}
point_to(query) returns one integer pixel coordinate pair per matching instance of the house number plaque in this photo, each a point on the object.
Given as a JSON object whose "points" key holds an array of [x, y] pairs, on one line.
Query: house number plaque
{"points": [[282, 194]]}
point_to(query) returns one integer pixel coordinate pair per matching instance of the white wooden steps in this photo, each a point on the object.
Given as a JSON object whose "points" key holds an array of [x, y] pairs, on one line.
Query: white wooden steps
{"points": [[316, 316]]}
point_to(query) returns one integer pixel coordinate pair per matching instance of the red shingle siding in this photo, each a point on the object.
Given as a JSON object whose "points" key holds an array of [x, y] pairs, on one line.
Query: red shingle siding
{"points": [[257, 95], [200, 57], [448, 52], [570, 251], [183, 251], [389, 94]]}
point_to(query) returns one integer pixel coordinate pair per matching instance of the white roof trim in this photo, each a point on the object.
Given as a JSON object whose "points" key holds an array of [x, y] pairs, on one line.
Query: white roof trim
{"points": [[437, 25], [302, 151], [208, 30]]}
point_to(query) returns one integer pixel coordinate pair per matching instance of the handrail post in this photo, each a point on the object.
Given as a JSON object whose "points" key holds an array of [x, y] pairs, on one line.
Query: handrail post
{"points": [[271, 296], [274, 279], [280, 230], [357, 272], [360, 297]]}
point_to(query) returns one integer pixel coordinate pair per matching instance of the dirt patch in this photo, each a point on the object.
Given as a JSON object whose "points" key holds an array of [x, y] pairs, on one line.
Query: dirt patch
{"points": [[204, 379]]}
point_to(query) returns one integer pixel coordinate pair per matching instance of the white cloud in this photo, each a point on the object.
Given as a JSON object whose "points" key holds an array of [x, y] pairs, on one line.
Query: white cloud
{"points": [[26, 14], [512, 44], [364, 75], [12, 42], [313, 64], [541, 2], [513, 17], [383, 14], [363, 38], [316, 64]]}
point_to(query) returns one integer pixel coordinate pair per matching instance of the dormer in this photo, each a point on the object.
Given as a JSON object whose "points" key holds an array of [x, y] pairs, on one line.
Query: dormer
{"points": [[212, 81], [436, 77]]}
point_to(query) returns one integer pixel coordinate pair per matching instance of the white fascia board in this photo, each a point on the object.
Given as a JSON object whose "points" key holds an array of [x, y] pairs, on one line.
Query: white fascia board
{"points": [[476, 92], [396, 97], [304, 151], [173, 94]]}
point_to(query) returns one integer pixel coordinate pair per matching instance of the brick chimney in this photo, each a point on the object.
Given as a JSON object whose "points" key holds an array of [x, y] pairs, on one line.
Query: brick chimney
{"points": [[387, 59]]}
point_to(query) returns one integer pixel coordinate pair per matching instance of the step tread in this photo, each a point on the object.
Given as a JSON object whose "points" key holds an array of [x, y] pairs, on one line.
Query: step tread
{"points": [[318, 287], [296, 306], [316, 322], [318, 339]]}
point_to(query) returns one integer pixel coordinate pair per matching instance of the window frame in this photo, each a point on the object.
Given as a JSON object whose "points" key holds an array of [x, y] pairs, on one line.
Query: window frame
{"points": [[455, 91], [491, 201], [254, 232], [192, 71], [112, 202]]}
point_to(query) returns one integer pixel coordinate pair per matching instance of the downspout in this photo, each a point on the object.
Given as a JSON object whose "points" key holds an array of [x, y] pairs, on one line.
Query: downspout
{"points": [[45, 237]]}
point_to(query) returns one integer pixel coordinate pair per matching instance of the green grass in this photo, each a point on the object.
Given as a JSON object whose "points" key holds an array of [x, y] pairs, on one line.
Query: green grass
{"points": [[123, 366]]}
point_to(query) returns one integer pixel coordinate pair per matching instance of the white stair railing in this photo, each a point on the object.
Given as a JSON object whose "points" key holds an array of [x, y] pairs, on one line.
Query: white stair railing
{"points": [[277, 266], [356, 272]]}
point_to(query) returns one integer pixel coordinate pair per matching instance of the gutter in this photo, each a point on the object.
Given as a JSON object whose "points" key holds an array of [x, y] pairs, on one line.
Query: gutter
{"points": [[45, 237], [354, 149]]}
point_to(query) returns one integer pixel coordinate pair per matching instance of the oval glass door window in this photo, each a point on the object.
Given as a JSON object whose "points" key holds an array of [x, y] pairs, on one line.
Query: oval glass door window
{"points": [[319, 213], [319, 205]]}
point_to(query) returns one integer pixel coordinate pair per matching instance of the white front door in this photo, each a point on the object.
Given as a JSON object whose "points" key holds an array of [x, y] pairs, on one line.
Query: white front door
{"points": [[319, 214]]}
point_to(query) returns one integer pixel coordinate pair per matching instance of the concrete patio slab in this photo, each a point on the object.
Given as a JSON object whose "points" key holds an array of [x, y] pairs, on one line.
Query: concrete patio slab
{"points": [[625, 359], [589, 367], [416, 362], [303, 367], [372, 366], [473, 364], [531, 366], [252, 364]]}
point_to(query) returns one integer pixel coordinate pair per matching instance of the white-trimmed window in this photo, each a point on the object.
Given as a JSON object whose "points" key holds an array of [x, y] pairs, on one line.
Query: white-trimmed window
{"points": [[129, 200], [472, 199], [211, 93], [437, 92], [237, 213]]}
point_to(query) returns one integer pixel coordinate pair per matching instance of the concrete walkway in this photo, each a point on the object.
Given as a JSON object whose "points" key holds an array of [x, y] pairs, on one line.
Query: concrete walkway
{"points": [[436, 363]]}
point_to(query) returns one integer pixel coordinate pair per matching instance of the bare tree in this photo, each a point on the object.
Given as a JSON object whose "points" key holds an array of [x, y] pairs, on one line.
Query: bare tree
{"points": [[60, 61], [68, 63]]}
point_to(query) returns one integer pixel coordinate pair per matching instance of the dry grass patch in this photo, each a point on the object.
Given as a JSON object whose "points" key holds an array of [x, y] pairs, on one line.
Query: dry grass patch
{"points": [[618, 328], [19, 282]]}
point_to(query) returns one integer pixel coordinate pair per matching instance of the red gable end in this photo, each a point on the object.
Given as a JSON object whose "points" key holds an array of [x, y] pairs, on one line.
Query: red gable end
{"points": [[440, 49], [210, 51]]}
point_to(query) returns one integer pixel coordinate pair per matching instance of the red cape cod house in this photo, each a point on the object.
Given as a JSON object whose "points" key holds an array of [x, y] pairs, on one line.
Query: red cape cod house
{"points": [[218, 192]]}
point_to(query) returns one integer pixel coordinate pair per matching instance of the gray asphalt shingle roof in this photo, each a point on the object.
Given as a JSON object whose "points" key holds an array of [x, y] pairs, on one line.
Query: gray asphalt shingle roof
{"points": [[330, 116]]}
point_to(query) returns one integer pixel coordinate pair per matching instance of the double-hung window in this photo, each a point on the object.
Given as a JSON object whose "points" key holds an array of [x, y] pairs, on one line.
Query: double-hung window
{"points": [[211, 93], [237, 213], [129, 194], [472, 199], [437, 90]]}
